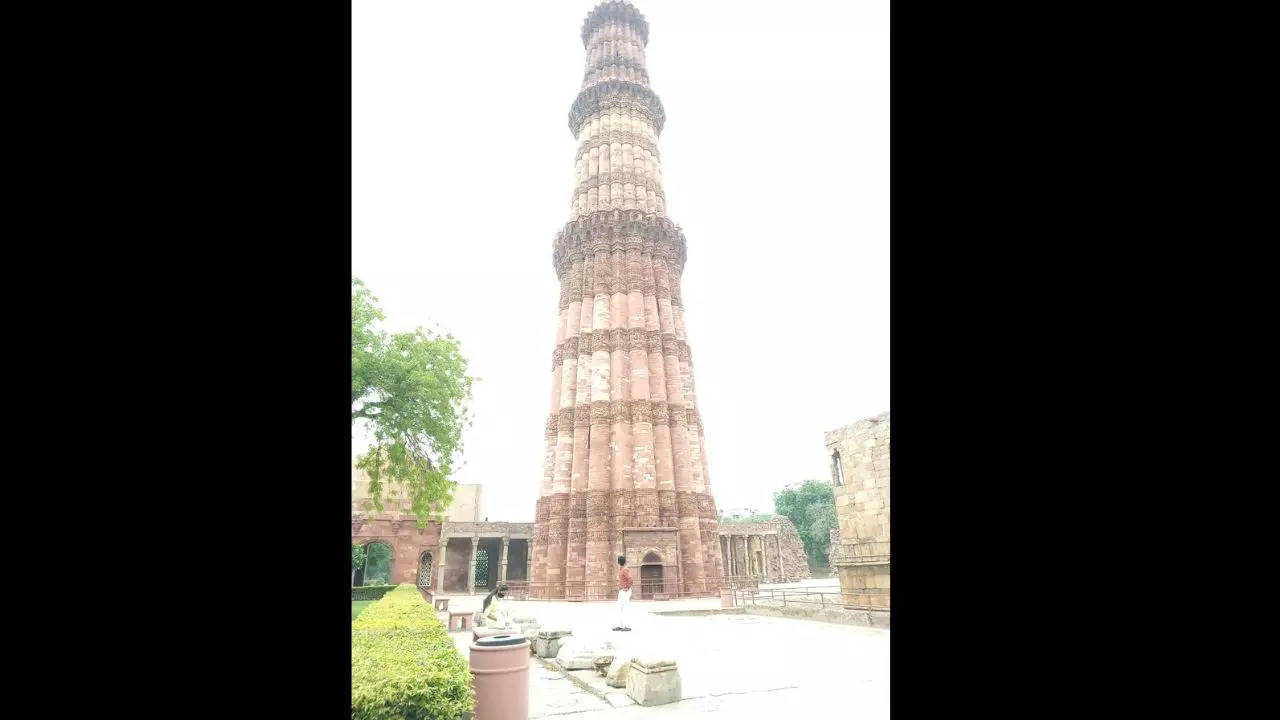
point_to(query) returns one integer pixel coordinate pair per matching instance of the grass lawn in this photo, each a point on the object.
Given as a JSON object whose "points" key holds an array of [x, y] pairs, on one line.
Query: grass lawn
{"points": [[358, 606]]}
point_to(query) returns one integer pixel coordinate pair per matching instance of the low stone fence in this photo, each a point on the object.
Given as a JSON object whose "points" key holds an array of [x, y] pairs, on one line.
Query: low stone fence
{"points": [[865, 618], [869, 607], [643, 589]]}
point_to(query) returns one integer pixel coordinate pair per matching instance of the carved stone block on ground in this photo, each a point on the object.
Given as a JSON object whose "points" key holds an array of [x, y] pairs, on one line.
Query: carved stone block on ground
{"points": [[484, 632], [580, 653], [547, 643], [602, 663], [653, 681], [619, 669]]}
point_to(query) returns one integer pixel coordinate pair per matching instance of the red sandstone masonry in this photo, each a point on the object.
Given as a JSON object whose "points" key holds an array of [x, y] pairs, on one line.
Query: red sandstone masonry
{"points": [[625, 444]]}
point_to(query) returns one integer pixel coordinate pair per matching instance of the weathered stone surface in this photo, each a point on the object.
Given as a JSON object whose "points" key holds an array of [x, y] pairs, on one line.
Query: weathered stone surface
{"points": [[859, 455], [618, 672], [547, 642], [602, 663], [580, 653], [654, 681], [483, 632], [619, 699], [654, 664], [743, 560]]}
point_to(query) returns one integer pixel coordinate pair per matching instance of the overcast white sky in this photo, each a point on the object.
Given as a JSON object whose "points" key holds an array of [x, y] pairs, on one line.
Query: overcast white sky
{"points": [[775, 162]]}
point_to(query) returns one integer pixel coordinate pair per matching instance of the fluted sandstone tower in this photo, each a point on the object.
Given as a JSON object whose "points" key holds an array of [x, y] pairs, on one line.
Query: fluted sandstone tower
{"points": [[625, 447]]}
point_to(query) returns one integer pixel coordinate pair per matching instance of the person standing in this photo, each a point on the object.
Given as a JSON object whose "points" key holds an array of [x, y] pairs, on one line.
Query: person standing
{"points": [[624, 594]]}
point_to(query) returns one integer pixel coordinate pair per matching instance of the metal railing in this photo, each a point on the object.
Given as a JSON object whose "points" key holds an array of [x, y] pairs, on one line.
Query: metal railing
{"points": [[852, 599], [642, 589]]}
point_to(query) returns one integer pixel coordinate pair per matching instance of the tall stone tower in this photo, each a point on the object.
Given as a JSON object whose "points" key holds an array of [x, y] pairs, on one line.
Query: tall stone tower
{"points": [[626, 470]]}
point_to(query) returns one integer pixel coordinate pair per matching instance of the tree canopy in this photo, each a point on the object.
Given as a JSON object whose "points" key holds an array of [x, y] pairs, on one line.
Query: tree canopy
{"points": [[811, 508], [410, 390]]}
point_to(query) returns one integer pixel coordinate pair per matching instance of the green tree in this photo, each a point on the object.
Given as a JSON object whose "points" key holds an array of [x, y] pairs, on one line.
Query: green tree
{"points": [[357, 561], [811, 508], [410, 390]]}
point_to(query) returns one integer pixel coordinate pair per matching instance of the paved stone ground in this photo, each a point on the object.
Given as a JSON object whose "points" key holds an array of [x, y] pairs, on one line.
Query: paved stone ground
{"points": [[830, 584], [744, 666]]}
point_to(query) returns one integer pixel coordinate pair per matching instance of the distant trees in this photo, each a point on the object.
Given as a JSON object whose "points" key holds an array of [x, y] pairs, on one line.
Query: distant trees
{"points": [[811, 507]]}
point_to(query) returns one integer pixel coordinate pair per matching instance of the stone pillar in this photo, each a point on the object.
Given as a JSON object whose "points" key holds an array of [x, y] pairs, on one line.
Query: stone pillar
{"points": [[528, 560], [444, 556], [782, 571], [471, 570], [502, 567]]}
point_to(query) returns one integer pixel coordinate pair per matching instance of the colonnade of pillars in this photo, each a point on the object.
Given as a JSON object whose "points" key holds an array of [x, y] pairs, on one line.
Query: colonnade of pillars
{"points": [[739, 554], [471, 564]]}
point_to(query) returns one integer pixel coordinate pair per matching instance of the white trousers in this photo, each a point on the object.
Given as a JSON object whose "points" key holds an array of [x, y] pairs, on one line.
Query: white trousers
{"points": [[624, 599]]}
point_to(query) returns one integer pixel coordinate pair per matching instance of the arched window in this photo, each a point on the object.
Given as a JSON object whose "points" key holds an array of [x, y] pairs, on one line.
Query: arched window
{"points": [[377, 564], [837, 472]]}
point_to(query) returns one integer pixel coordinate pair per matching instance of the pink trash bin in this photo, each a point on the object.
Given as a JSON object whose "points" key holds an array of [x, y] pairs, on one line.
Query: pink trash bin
{"points": [[500, 675]]}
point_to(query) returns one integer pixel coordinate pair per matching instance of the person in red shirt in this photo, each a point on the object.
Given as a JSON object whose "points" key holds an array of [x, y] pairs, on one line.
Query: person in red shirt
{"points": [[624, 593]]}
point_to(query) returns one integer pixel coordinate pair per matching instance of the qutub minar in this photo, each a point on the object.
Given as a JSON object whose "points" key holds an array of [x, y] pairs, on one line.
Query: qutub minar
{"points": [[626, 469]]}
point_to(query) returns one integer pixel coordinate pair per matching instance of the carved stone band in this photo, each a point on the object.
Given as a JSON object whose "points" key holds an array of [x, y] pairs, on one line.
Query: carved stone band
{"points": [[616, 137], [618, 231], [619, 12], [618, 67], [616, 94], [623, 179], [622, 340], [603, 412]]}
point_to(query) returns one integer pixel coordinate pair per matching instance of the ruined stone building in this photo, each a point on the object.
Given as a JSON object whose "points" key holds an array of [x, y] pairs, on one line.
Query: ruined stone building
{"points": [[458, 554], [769, 551], [625, 469], [859, 456]]}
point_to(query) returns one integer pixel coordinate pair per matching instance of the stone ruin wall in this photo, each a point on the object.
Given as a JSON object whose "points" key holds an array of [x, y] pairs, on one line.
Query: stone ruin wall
{"points": [[401, 533], [862, 501], [861, 486], [795, 563]]}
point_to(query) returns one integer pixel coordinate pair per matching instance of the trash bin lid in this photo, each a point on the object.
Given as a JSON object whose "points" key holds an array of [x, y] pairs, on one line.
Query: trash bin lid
{"points": [[500, 640]]}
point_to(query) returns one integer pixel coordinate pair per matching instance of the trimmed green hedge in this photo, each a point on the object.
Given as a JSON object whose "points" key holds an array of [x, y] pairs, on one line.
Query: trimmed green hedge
{"points": [[404, 664], [370, 592]]}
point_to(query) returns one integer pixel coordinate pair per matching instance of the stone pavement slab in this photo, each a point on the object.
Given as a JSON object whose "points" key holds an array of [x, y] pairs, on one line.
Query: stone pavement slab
{"points": [[741, 666]]}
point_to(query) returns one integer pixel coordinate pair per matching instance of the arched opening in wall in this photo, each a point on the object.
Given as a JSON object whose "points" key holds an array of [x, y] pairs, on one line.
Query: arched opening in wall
{"points": [[482, 568], [650, 575], [837, 472], [424, 569], [377, 564]]}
